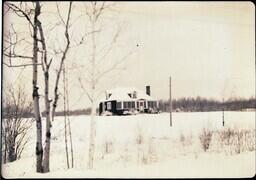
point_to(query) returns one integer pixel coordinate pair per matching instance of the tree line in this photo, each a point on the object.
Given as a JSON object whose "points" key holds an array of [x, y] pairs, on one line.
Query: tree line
{"points": [[184, 104], [200, 104]]}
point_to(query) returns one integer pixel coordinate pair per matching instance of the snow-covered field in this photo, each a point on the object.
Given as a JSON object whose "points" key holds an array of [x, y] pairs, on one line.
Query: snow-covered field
{"points": [[145, 145]]}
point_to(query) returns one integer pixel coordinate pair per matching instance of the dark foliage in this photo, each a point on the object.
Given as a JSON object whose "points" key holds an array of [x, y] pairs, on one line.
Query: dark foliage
{"points": [[202, 104]]}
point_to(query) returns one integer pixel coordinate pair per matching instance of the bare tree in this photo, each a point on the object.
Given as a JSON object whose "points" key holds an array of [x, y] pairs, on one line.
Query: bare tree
{"points": [[23, 11], [39, 49], [96, 69], [62, 69], [15, 123], [45, 67], [67, 120]]}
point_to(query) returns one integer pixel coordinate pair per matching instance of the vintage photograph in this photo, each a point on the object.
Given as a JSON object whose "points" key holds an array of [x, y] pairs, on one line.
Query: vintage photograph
{"points": [[105, 89]]}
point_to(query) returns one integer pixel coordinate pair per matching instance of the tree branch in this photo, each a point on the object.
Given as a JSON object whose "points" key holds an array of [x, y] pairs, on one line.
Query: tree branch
{"points": [[18, 56], [113, 66], [62, 62], [21, 65], [86, 92], [17, 9]]}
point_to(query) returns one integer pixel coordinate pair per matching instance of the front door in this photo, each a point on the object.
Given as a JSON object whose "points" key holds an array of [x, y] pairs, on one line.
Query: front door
{"points": [[141, 106]]}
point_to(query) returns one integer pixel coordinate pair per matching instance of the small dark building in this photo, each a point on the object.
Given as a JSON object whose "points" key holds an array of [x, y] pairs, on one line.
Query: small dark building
{"points": [[124, 101]]}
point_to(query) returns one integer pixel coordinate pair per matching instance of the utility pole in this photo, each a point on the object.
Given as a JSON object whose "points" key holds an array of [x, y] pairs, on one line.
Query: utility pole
{"points": [[223, 112], [170, 101]]}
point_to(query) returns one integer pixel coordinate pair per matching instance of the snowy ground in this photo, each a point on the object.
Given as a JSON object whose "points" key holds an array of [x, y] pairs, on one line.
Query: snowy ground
{"points": [[145, 145]]}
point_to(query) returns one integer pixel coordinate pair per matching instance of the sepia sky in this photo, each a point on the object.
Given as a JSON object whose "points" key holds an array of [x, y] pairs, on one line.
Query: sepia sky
{"points": [[208, 48]]}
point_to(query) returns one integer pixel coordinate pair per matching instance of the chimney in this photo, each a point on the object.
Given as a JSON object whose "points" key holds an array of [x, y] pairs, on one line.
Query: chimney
{"points": [[148, 90]]}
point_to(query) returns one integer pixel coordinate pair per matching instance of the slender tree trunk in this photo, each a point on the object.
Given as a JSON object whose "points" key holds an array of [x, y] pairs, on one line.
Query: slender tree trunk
{"points": [[39, 148], [93, 107], [69, 126], [46, 66], [65, 118], [46, 160], [71, 144], [56, 96], [92, 136]]}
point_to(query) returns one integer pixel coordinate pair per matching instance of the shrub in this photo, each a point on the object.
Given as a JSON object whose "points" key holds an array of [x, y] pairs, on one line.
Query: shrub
{"points": [[186, 140], [108, 146], [205, 138], [147, 154], [237, 140], [139, 136]]}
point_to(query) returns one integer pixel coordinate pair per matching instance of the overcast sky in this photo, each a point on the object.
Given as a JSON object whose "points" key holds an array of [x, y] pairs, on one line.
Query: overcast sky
{"points": [[208, 48]]}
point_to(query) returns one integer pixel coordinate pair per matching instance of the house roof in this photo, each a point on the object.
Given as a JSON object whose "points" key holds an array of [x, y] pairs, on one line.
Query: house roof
{"points": [[122, 94]]}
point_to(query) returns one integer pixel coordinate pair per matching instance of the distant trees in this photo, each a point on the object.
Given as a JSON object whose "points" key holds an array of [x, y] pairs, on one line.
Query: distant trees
{"points": [[200, 104], [76, 112]]}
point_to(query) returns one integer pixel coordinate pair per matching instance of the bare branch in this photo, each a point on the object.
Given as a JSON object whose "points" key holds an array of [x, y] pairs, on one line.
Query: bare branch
{"points": [[57, 5], [114, 66], [112, 44], [22, 65], [62, 62], [99, 11], [17, 10], [86, 92], [17, 56]]}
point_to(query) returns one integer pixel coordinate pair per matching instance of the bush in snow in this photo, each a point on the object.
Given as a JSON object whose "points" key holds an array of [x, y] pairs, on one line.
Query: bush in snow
{"points": [[205, 138], [244, 140], [15, 123], [186, 140], [147, 153], [139, 136], [237, 140], [108, 146], [226, 136], [251, 140]]}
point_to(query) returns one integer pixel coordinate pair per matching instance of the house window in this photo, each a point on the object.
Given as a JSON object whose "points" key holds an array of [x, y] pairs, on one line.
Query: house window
{"points": [[154, 103], [137, 104], [129, 104], [108, 105], [141, 103], [151, 104], [119, 105], [133, 104], [125, 105]]}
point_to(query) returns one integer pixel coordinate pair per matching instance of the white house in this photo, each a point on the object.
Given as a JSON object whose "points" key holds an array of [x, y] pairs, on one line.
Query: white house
{"points": [[120, 101]]}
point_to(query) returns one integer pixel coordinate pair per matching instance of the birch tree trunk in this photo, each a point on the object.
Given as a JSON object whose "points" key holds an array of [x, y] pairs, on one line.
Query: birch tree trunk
{"points": [[93, 105], [94, 10], [46, 67], [39, 148], [92, 136], [46, 160]]}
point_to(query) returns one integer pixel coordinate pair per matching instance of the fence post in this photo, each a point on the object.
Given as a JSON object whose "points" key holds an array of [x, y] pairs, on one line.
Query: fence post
{"points": [[170, 101]]}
